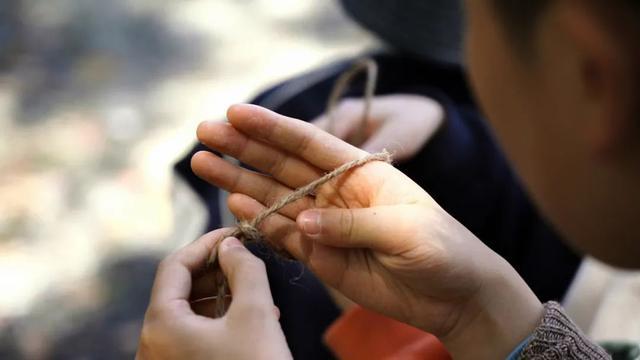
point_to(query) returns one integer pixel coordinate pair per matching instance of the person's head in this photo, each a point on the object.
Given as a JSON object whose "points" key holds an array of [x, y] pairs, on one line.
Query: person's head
{"points": [[559, 81]]}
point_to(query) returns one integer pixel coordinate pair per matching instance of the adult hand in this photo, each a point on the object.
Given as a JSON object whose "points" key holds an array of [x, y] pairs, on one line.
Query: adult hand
{"points": [[372, 234], [400, 123], [176, 327]]}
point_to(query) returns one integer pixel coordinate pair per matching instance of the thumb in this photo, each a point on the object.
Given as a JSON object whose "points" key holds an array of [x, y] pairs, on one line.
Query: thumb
{"points": [[247, 276], [385, 228]]}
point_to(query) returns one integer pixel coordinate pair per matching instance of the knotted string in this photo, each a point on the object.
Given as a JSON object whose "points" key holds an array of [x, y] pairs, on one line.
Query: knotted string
{"points": [[247, 231]]}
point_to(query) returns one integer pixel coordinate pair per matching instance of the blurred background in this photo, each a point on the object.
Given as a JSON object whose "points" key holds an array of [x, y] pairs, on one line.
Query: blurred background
{"points": [[97, 100]]}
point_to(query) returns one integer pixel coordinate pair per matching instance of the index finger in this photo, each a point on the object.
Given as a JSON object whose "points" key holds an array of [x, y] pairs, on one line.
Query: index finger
{"points": [[173, 278], [317, 147]]}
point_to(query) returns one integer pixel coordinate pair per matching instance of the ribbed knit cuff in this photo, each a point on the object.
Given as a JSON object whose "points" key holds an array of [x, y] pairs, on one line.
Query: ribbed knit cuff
{"points": [[557, 337]]}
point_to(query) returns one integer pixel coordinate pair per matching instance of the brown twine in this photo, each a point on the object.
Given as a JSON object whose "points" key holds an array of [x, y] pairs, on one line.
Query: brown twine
{"points": [[247, 231], [341, 86]]}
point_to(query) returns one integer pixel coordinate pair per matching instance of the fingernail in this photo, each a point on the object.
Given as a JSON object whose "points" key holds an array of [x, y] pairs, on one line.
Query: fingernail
{"points": [[203, 126], [311, 222], [229, 243]]}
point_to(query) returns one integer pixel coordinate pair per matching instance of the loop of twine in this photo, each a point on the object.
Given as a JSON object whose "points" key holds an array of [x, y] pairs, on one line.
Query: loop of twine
{"points": [[342, 84], [247, 231]]}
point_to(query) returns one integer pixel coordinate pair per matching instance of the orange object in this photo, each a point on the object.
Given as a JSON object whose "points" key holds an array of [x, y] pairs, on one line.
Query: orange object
{"points": [[360, 334]]}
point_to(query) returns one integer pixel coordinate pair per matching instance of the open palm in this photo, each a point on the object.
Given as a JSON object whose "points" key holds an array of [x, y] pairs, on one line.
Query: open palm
{"points": [[382, 241]]}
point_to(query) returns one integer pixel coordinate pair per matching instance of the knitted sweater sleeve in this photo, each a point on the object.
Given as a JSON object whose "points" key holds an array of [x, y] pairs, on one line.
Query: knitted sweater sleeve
{"points": [[557, 337]]}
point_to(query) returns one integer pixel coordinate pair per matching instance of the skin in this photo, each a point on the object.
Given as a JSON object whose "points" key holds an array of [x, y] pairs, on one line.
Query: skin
{"points": [[175, 328], [400, 123], [373, 235], [565, 116]]}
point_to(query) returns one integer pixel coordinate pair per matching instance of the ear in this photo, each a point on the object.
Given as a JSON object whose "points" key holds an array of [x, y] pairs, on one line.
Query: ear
{"points": [[608, 69]]}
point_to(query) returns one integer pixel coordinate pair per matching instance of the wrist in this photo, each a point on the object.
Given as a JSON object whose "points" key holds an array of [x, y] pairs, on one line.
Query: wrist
{"points": [[503, 314]]}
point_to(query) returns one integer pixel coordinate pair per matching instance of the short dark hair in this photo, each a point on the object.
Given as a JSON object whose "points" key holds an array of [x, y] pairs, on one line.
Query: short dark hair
{"points": [[521, 16]]}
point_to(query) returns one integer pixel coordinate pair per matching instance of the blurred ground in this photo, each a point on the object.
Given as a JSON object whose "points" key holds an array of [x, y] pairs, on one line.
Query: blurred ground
{"points": [[97, 100]]}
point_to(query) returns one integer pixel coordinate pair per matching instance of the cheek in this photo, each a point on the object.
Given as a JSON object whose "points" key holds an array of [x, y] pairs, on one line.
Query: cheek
{"points": [[528, 107], [506, 92], [499, 92]]}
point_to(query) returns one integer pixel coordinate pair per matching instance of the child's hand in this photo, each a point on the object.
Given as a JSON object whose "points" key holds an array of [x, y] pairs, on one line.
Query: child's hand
{"points": [[372, 234], [401, 123], [175, 329]]}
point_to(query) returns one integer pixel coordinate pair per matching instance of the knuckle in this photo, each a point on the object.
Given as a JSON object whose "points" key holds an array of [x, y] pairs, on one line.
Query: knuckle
{"points": [[306, 140], [151, 315], [235, 184], [158, 335], [271, 196], [156, 314], [253, 265], [241, 259], [347, 227], [147, 334], [166, 262], [255, 312], [278, 165], [152, 333]]}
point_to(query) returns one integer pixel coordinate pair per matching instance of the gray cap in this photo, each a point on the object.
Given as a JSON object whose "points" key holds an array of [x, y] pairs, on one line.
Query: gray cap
{"points": [[427, 28]]}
